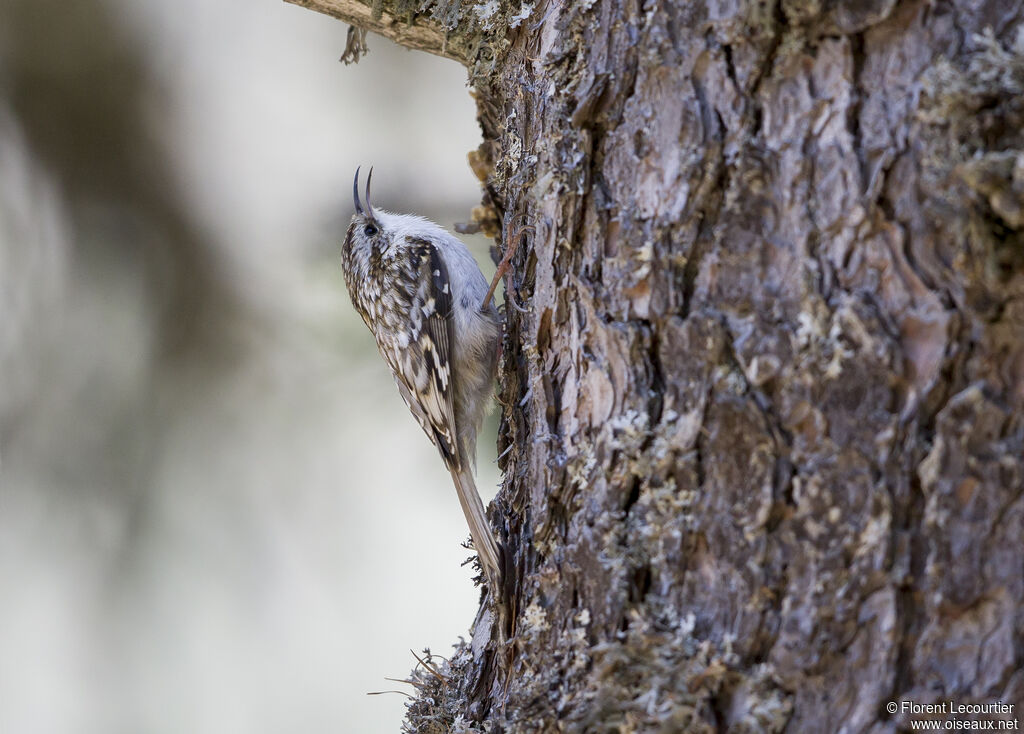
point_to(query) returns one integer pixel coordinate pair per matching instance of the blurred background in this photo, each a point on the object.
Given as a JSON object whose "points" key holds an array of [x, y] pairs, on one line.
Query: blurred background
{"points": [[216, 514]]}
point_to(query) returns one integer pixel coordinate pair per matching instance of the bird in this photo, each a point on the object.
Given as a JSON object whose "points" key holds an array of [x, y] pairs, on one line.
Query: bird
{"points": [[426, 302]]}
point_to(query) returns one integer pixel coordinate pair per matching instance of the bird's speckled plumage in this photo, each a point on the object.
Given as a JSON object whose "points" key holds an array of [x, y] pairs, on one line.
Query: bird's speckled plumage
{"points": [[420, 292]]}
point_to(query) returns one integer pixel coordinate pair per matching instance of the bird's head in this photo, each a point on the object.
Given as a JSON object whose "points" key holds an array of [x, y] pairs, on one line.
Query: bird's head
{"points": [[368, 233], [376, 237]]}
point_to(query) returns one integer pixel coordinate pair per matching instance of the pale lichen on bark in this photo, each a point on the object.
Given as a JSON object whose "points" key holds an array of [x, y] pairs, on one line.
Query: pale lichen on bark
{"points": [[474, 34]]}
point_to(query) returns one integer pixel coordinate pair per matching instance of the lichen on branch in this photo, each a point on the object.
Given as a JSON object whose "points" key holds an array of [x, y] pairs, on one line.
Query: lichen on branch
{"points": [[474, 34]]}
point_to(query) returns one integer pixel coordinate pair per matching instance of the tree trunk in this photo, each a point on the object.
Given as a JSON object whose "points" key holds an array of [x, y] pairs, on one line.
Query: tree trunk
{"points": [[762, 414]]}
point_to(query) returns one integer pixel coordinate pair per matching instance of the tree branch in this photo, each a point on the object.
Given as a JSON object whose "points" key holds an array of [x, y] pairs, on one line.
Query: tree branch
{"points": [[417, 33]]}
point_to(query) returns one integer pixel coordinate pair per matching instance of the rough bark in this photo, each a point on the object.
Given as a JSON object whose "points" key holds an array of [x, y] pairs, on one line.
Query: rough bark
{"points": [[762, 425]]}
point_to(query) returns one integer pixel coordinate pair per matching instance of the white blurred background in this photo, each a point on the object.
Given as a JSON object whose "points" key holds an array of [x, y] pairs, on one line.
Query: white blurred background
{"points": [[216, 514]]}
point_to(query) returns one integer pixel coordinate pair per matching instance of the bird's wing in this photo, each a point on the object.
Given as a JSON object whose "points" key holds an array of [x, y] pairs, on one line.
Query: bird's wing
{"points": [[426, 380]]}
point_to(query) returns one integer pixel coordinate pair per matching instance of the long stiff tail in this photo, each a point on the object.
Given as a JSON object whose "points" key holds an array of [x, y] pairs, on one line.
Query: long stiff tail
{"points": [[483, 539]]}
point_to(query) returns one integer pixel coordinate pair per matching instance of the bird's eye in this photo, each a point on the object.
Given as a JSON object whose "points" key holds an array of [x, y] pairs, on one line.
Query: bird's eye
{"points": [[369, 230]]}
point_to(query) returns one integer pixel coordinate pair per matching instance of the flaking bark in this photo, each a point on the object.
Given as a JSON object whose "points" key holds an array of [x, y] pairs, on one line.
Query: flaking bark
{"points": [[762, 418]]}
